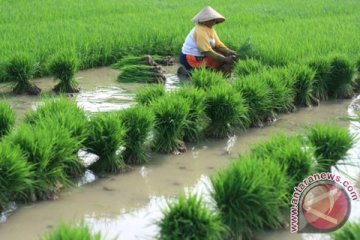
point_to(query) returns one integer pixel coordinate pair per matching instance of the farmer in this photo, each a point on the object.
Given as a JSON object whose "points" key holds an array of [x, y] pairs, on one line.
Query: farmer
{"points": [[202, 46]]}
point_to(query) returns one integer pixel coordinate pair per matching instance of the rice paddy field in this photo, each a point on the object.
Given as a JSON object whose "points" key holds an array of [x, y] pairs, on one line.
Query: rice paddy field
{"points": [[116, 145]]}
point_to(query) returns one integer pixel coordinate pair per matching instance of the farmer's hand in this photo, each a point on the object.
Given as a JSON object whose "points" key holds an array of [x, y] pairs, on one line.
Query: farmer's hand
{"points": [[229, 59]]}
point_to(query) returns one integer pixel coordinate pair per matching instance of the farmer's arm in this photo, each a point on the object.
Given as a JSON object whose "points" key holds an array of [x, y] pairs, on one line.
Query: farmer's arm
{"points": [[221, 47]]}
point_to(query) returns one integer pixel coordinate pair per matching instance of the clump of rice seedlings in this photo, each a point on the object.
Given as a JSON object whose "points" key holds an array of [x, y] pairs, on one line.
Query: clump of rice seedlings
{"points": [[149, 94], [137, 123], [141, 74], [20, 70], [331, 144], [144, 60], [340, 80], [105, 137], [291, 153], [248, 201], [225, 108], [7, 118], [322, 69], [247, 50], [195, 121], [15, 174], [171, 112], [73, 232], [189, 218], [257, 96], [204, 78], [301, 80], [350, 231], [248, 66], [64, 67]]}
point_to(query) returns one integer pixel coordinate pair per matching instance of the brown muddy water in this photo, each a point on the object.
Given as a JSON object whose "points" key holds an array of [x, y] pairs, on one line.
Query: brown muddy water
{"points": [[125, 206]]}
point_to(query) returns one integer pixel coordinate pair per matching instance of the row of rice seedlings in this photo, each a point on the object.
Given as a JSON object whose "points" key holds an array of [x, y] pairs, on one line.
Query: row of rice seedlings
{"points": [[147, 95], [143, 60], [74, 232], [141, 74], [7, 118], [322, 69], [203, 78], [340, 79], [247, 67], [350, 231]]}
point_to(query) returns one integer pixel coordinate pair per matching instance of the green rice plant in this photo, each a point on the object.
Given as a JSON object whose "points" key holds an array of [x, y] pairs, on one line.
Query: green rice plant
{"points": [[7, 118], [171, 112], [331, 144], [64, 67], [20, 70], [257, 96], [291, 153], [105, 137], [189, 218], [341, 74], [15, 174], [195, 121], [141, 74], [149, 94], [137, 122], [74, 232], [143, 60], [322, 69], [358, 65], [248, 201], [301, 80], [204, 78], [248, 66], [350, 231], [226, 108], [247, 50]]}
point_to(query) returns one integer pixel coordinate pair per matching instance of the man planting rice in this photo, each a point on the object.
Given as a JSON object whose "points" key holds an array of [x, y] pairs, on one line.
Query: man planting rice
{"points": [[202, 46]]}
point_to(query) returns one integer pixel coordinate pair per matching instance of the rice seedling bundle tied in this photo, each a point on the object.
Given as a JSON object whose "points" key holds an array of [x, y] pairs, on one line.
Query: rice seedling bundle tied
{"points": [[143, 60], [341, 74], [204, 78], [7, 118], [141, 74], [149, 94], [74, 232]]}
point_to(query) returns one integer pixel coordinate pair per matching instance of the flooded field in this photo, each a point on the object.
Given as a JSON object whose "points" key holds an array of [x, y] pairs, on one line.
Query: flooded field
{"points": [[126, 206]]}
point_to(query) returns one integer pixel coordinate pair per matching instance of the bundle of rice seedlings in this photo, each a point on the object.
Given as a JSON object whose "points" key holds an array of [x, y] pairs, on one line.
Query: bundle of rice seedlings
{"points": [[291, 153], [171, 112], [15, 174], [247, 50], [248, 66], [195, 121], [189, 218], [137, 123], [248, 201], [7, 118], [331, 144], [225, 108], [141, 74], [73, 232], [20, 70], [105, 137], [257, 96], [143, 60], [64, 67], [350, 231], [204, 78], [149, 94], [341, 74], [322, 68]]}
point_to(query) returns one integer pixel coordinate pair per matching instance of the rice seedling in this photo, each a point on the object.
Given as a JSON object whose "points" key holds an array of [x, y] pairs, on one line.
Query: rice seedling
{"points": [[137, 123], [350, 231], [248, 201], [196, 119], [189, 218], [322, 69], [171, 112], [204, 78], [20, 70], [226, 108], [143, 60], [331, 144], [248, 66], [341, 74], [257, 96], [7, 118], [15, 174], [64, 67], [149, 94], [105, 137], [141, 74], [74, 232], [247, 50], [291, 153]]}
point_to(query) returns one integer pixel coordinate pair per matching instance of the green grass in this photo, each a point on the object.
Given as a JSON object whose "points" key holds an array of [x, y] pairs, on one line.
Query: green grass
{"points": [[341, 74], [141, 74], [204, 78], [350, 231], [188, 218], [74, 232], [149, 94], [331, 144], [7, 118]]}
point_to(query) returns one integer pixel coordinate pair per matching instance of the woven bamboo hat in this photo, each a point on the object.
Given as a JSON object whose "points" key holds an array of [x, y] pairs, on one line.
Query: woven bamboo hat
{"points": [[207, 14]]}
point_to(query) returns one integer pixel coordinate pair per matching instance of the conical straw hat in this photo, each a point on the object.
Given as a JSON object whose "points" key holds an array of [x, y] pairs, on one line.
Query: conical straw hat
{"points": [[207, 14]]}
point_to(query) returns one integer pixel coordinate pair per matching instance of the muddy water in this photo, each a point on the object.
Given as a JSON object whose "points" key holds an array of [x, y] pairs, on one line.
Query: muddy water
{"points": [[125, 206]]}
